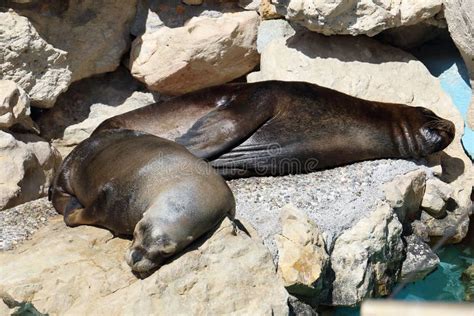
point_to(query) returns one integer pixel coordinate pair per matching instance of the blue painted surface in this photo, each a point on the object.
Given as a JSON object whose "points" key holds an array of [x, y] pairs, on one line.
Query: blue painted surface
{"points": [[444, 62]]}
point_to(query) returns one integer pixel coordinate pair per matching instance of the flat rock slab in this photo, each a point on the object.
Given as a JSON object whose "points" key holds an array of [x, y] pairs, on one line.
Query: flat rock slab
{"points": [[335, 199], [81, 271]]}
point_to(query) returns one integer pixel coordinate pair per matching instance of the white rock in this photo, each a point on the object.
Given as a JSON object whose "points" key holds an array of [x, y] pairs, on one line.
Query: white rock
{"points": [[27, 166], [81, 271], [206, 51], [356, 17], [365, 68], [405, 193], [95, 34], [27, 59], [302, 257], [14, 106], [436, 196], [367, 258]]}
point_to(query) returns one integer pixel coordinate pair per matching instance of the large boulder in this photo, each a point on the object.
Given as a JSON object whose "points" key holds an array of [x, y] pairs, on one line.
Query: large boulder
{"points": [[367, 267], [206, 51], [27, 59], [460, 17], [89, 102], [356, 17], [14, 106], [81, 271], [27, 166], [362, 67], [95, 34], [302, 258]]}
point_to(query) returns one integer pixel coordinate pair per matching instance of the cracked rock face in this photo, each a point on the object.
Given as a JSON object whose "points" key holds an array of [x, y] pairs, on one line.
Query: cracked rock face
{"points": [[366, 258], [27, 59], [356, 17], [94, 34], [420, 260], [206, 51], [225, 274]]}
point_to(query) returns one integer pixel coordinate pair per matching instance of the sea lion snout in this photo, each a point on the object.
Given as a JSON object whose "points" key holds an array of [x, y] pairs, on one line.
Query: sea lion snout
{"points": [[437, 133]]}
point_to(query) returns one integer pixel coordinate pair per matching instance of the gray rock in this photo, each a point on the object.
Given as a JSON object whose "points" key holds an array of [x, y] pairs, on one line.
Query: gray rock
{"points": [[404, 194], [21, 222], [299, 308], [367, 258], [420, 260], [437, 195], [27, 59], [272, 29]]}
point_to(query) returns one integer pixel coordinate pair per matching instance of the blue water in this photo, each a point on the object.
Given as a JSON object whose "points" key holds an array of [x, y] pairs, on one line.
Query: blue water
{"points": [[441, 285], [444, 62]]}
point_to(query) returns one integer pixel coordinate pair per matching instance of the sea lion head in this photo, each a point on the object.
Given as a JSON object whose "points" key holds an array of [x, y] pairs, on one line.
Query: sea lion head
{"points": [[150, 246], [431, 133]]}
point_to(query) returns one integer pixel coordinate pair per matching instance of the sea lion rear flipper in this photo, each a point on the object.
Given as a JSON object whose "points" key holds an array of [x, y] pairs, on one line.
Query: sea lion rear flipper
{"points": [[223, 129]]}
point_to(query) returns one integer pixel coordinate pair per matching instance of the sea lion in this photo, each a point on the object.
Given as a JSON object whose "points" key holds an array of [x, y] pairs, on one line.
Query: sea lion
{"points": [[135, 183], [277, 128]]}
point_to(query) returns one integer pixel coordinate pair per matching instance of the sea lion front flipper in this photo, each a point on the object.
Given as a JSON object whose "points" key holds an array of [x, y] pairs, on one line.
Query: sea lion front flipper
{"points": [[223, 129]]}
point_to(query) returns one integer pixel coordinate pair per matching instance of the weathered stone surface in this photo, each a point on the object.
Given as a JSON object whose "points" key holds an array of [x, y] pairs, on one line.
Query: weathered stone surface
{"points": [[367, 258], [460, 17], [206, 51], [420, 260], [451, 229], [14, 106], [95, 34], [27, 165], [435, 199], [405, 193], [89, 102], [302, 257], [356, 17], [27, 59], [365, 68], [81, 271], [273, 29]]}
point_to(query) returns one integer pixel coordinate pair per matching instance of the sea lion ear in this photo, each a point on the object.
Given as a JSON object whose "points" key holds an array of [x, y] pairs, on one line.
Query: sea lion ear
{"points": [[167, 247]]}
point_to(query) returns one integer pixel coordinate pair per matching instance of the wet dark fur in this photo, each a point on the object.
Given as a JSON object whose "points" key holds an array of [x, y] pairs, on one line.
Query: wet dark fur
{"points": [[277, 128]]}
